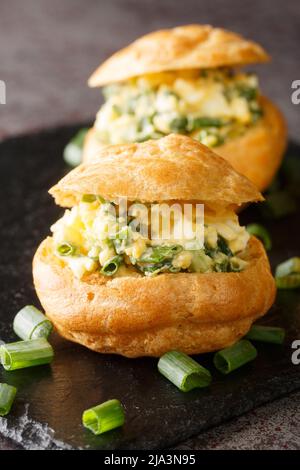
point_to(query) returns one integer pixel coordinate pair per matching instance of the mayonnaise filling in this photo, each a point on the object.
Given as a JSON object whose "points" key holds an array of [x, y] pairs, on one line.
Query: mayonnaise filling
{"points": [[212, 106], [91, 237]]}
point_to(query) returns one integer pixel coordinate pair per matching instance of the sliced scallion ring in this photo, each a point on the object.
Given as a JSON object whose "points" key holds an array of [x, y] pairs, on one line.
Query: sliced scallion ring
{"points": [[235, 356], [290, 266], [30, 323], [7, 396], [66, 249], [105, 417], [266, 334], [262, 233], [292, 281], [287, 274], [111, 266], [183, 371], [26, 354]]}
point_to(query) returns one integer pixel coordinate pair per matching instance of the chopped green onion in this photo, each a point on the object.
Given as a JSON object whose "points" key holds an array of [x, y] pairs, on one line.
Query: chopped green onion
{"points": [[88, 198], [30, 323], [292, 281], [237, 264], [223, 246], [111, 266], [26, 354], [250, 93], [201, 263], [172, 269], [105, 417], [179, 124], [287, 275], [206, 122], [73, 151], [7, 396], [266, 334], [66, 249], [260, 232], [235, 356], [101, 199], [290, 266], [154, 269], [183, 371], [158, 254]]}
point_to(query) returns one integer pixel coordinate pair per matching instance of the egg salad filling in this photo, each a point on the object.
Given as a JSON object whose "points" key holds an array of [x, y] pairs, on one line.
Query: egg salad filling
{"points": [[212, 105], [94, 237]]}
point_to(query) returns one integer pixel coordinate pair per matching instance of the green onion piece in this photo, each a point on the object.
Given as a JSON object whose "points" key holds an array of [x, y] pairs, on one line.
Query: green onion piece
{"points": [[179, 124], [206, 122], [66, 249], [88, 198], [223, 246], [235, 356], [101, 199], [248, 92], [26, 354], [30, 323], [183, 371], [102, 418], [7, 396], [262, 233], [292, 281], [201, 263], [111, 266], [290, 266], [160, 253], [73, 151], [266, 334]]}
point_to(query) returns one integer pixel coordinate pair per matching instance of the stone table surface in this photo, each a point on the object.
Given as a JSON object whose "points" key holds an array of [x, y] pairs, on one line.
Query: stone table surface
{"points": [[47, 51]]}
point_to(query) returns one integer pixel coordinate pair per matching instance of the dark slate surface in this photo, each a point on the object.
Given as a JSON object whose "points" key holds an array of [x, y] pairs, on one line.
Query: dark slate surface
{"points": [[47, 412]]}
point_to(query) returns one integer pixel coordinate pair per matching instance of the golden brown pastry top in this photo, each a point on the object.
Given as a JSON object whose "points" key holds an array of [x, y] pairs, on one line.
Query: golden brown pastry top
{"points": [[175, 167], [184, 47]]}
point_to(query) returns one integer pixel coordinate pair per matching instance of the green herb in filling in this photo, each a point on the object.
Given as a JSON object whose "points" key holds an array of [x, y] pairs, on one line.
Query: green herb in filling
{"points": [[141, 109]]}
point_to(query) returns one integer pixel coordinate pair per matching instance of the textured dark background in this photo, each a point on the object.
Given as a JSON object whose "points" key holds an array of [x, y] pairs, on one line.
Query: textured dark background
{"points": [[49, 48]]}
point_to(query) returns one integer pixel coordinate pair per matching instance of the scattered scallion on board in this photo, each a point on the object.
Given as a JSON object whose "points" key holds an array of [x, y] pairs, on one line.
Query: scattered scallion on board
{"points": [[26, 354], [73, 150], [7, 396], [105, 417], [266, 334], [31, 323], [262, 233], [183, 371], [287, 274], [234, 357]]}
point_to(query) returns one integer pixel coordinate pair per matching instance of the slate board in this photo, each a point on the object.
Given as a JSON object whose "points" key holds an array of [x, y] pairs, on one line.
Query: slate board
{"points": [[50, 401]]}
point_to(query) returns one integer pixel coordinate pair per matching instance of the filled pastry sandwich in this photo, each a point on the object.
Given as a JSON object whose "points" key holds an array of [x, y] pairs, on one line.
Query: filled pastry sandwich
{"points": [[188, 80], [112, 281]]}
